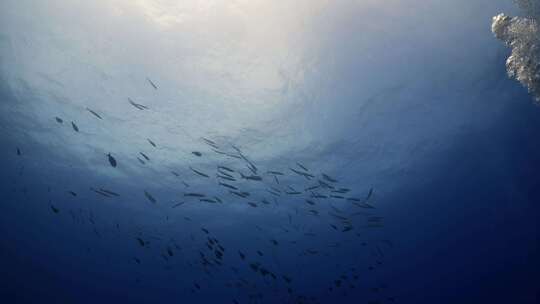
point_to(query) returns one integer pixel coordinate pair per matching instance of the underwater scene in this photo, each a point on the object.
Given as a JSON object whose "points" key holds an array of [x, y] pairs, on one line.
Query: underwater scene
{"points": [[256, 151]]}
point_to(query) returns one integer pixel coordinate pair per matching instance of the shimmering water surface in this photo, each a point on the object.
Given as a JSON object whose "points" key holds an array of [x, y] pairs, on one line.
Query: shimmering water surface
{"points": [[264, 152]]}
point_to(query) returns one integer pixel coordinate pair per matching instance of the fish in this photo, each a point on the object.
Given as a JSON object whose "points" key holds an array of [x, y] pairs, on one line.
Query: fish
{"points": [[316, 195], [264, 271], [252, 204], [112, 160], [273, 193], [137, 260], [225, 168], [208, 200], [254, 266], [109, 192], [137, 105], [141, 161], [149, 197], [251, 177], [328, 178], [218, 199], [19, 152], [237, 149], [240, 194], [337, 196], [274, 172], [54, 209], [151, 142], [325, 185], [59, 120], [363, 205], [226, 178], [286, 278], [370, 193], [192, 194], [196, 153], [74, 126], [250, 165], [145, 156], [208, 141], [304, 174], [293, 192], [276, 179], [311, 188], [94, 113], [228, 186], [205, 230], [100, 192], [302, 166], [230, 155], [310, 202], [152, 83], [178, 205], [220, 152], [347, 228], [275, 190], [274, 242], [252, 168], [225, 174], [260, 253], [314, 212], [264, 201], [141, 241], [199, 173], [72, 193], [341, 190]]}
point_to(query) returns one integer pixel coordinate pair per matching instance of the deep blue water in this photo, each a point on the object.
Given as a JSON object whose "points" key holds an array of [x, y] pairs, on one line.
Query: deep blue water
{"points": [[422, 117]]}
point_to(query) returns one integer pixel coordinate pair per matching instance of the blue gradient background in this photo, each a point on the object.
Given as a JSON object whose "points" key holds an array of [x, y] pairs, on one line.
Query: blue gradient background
{"points": [[408, 97]]}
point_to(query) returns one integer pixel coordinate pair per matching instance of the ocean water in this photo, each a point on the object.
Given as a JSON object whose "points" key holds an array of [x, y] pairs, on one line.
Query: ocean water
{"points": [[264, 152]]}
